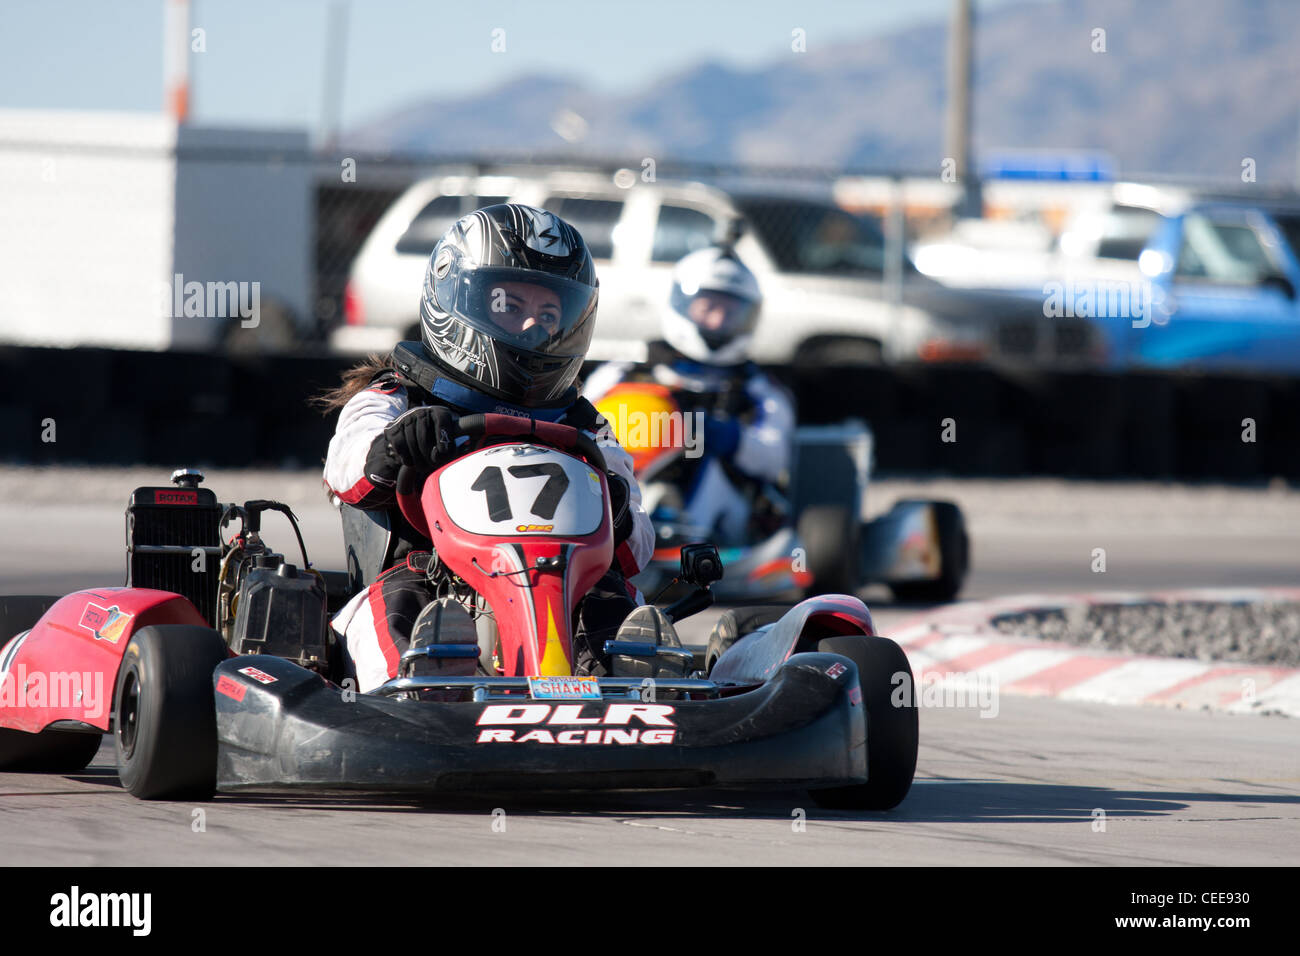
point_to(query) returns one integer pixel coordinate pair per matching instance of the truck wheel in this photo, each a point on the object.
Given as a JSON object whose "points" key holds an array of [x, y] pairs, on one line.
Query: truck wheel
{"points": [[828, 535], [165, 722], [50, 751], [734, 623], [954, 556], [276, 332], [892, 731], [849, 352]]}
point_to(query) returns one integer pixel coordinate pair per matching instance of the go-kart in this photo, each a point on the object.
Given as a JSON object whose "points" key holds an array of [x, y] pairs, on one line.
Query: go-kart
{"points": [[221, 673], [803, 538]]}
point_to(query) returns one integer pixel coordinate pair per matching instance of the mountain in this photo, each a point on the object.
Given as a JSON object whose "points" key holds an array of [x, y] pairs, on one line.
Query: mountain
{"points": [[1182, 88]]}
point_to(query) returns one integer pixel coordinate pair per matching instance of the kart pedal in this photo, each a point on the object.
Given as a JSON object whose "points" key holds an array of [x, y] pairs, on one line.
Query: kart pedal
{"points": [[444, 632], [647, 645]]}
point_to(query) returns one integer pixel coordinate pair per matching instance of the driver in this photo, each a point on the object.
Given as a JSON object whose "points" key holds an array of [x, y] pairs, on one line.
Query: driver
{"points": [[703, 357], [506, 316]]}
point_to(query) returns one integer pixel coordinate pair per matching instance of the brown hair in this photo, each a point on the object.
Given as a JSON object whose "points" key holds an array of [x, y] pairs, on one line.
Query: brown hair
{"points": [[355, 380]]}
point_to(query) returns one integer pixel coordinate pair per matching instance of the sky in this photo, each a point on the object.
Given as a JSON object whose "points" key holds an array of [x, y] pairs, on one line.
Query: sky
{"points": [[265, 60]]}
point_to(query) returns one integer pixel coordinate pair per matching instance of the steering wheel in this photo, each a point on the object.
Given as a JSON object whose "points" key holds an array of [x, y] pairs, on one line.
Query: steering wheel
{"points": [[563, 437], [410, 481]]}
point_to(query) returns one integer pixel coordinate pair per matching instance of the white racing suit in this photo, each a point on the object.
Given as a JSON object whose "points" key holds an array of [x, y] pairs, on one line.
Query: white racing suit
{"points": [[753, 435], [375, 626]]}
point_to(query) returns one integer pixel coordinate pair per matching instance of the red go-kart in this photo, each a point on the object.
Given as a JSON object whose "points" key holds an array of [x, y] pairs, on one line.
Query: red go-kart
{"points": [[215, 668]]}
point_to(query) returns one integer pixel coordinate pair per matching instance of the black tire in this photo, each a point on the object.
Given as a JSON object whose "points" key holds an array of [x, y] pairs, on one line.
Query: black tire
{"points": [[165, 724], [829, 536], [954, 555], [893, 733], [50, 751], [20, 612], [734, 623]]}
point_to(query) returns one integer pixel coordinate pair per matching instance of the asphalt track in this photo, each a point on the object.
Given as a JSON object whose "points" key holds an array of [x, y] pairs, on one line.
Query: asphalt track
{"points": [[1042, 782]]}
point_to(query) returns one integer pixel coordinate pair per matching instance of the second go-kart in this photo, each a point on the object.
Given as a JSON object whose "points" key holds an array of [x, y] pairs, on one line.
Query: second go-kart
{"points": [[221, 672], [804, 538]]}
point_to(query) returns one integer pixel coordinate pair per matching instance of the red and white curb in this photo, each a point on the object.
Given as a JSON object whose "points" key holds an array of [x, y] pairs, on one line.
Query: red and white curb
{"points": [[958, 644]]}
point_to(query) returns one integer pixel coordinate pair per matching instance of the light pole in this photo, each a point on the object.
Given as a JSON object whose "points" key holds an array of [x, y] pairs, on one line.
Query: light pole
{"points": [[957, 133]]}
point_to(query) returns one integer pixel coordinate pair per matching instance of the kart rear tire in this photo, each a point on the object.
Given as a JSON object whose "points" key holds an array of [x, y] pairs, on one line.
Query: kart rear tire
{"points": [[20, 612], [829, 536], [50, 751], [954, 555], [893, 732], [734, 623], [165, 722]]}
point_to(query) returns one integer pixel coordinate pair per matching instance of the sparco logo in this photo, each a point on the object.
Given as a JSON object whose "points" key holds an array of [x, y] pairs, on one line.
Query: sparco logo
{"points": [[613, 724], [76, 909]]}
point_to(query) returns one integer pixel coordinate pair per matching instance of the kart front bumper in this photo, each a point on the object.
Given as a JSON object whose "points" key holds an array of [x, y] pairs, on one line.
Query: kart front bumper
{"points": [[285, 728]]}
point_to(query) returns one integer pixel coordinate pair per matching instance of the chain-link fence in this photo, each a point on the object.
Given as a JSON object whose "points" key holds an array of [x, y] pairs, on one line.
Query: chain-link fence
{"points": [[855, 236], [846, 235]]}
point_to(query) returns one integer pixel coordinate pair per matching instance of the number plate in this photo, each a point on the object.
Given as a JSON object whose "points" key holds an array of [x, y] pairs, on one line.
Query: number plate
{"points": [[563, 688], [513, 490]]}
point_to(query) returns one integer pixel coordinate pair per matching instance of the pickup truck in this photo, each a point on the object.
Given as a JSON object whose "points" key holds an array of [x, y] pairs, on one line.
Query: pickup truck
{"points": [[821, 269], [1213, 288], [1221, 293], [1181, 282]]}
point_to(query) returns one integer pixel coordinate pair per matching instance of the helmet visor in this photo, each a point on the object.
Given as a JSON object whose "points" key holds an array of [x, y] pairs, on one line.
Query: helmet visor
{"points": [[528, 310], [720, 316]]}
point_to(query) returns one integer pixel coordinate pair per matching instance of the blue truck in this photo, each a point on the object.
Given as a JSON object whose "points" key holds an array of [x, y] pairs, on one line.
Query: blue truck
{"points": [[1217, 291]]}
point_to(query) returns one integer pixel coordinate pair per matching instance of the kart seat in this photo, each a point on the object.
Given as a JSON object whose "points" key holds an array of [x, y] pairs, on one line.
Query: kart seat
{"points": [[368, 542]]}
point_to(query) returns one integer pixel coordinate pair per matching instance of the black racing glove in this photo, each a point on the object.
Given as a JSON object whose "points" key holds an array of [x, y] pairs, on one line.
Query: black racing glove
{"points": [[423, 437]]}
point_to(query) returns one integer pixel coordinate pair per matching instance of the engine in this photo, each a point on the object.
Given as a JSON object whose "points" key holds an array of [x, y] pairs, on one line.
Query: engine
{"points": [[258, 601]]}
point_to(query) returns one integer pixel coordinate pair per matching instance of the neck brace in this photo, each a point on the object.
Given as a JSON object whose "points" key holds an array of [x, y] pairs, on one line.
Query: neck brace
{"points": [[411, 362]]}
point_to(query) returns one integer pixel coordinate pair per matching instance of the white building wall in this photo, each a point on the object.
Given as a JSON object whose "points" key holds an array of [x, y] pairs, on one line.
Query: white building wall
{"points": [[99, 211], [86, 221]]}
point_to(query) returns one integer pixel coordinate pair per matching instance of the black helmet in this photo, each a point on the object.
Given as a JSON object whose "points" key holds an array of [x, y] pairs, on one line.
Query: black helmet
{"points": [[509, 303]]}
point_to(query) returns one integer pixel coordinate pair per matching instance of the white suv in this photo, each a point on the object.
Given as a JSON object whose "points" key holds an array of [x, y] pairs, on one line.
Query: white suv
{"points": [[820, 268]]}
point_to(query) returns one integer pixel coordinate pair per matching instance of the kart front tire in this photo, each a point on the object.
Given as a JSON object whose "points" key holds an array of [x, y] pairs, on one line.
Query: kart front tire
{"points": [[954, 557], [893, 731], [165, 724]]}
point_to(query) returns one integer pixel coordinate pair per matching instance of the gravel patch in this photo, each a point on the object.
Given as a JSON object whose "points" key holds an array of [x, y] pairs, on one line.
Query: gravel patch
{"points": [[1254, 633]]}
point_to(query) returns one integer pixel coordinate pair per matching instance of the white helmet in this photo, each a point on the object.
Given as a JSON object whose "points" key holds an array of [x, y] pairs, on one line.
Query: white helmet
{"points": [[713, 308]]}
